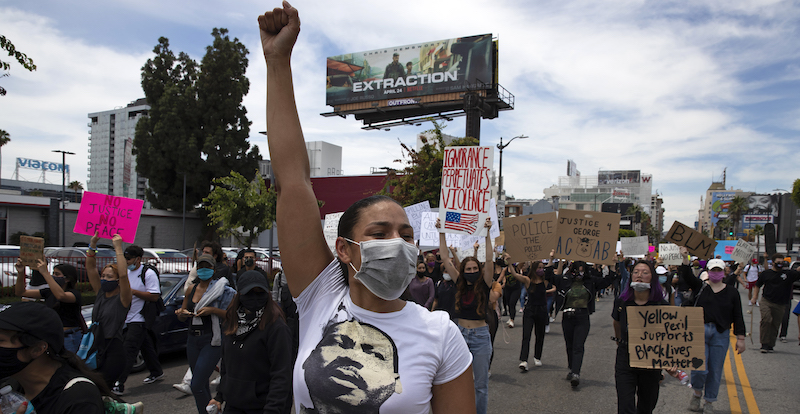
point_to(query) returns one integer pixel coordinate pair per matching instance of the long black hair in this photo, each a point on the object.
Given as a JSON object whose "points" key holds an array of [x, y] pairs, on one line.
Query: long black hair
{"points": [[70, 274], [479, 287], [272, 312]]}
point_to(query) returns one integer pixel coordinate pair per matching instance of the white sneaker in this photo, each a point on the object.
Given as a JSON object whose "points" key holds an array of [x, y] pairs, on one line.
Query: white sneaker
{"points": [[537, 362], [523, 366], [184, 388], [547, 329], [552, 319], [510, 323], [758, 304], [214, 382], [750, 303]]}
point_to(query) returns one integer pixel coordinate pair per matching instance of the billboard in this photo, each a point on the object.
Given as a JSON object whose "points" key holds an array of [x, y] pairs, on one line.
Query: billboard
{"points": [[41, 165], [611, 178], [761, 209], [572, 169], [426, 68], [720, 201]]}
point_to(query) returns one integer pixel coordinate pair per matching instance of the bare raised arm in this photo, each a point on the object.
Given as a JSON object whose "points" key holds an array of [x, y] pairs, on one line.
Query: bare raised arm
{"points": [[304, 252], [125, 292], [488, 269], [91, 264], [446, 261]]}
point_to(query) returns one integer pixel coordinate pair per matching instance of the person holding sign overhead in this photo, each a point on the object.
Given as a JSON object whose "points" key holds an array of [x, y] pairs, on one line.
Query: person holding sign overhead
{"points": [[473, 283], [722, 307], [361, 348], [637, 388]]}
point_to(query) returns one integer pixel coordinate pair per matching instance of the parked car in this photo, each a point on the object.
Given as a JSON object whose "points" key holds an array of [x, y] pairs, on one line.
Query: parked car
{"points": [[168, 260], [170, 332], [8, 261], [76, 256]]}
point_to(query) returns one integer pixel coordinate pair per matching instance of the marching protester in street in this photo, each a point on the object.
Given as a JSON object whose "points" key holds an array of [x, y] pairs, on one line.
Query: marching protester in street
{"points": [[535, 313], [445, 299], [751, 271], [637, 388], [396, 358], [59, 295], [666, 284], [777, 283], [512, 289], [722, 307], [139, 334], [578, 305], [111, 306], [32, 351], [473, 282], [206, 304], [256, 368], [422, 289]]}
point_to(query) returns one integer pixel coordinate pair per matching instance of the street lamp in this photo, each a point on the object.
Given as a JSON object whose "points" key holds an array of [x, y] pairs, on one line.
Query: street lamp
{"points": [[501, 147], [63, 196]]}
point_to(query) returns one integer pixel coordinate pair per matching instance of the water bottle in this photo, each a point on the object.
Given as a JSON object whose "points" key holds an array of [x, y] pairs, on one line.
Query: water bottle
{"points": [[683, 377], [212, 409], [10, 400]]}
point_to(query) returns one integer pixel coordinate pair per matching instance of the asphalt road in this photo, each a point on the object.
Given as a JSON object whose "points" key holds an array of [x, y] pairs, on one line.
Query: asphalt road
{"points": [[752, 382]]}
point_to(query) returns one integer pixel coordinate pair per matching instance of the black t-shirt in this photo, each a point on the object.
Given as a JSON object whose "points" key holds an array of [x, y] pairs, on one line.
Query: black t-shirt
{"points": [[446, 297], [777, 286], [70, 313], [82, 396], [435, 274], [537, 293]]}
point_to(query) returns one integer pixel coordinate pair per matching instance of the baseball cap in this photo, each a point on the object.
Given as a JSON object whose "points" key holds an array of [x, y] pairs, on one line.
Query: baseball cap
{"points": [[251, 279], [36, 320], [715, 263], [207, 258], [661, 270]]}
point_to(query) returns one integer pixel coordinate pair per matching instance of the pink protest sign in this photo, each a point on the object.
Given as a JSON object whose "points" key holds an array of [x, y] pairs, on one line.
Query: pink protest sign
{"points": [[108, 215], [651, 249]]}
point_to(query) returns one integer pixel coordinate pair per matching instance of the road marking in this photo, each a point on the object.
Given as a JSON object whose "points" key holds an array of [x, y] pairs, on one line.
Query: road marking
{"points": [[750, 399], [730, 384]]}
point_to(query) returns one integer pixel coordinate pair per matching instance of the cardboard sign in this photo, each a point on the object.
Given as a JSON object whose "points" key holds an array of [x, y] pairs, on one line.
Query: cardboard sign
{"points": [[587, 236], [666, 336], [697, 244], [31, 249], [414, 213], [108, 215], [635, 246], [429, 234], [743, 252], [464, 201], [331, 230], [670, 254], [480, 255], [530, 237]]}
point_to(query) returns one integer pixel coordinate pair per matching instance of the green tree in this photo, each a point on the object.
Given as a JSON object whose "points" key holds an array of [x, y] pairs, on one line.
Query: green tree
{"points": [[421, 178], [5, 138], [20, 57], [221, 86], [796, 192], [736, 210], [626, 233], [241, 208]]}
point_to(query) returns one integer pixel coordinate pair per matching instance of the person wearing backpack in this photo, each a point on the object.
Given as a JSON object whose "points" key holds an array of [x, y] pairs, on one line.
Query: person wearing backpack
{"points": [[139, 335]]}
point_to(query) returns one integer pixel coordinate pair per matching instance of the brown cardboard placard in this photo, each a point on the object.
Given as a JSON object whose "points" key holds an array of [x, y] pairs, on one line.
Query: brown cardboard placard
{"points": [[666, 336], [588, 236], [698, 244], [530, 237], [31, 249]]}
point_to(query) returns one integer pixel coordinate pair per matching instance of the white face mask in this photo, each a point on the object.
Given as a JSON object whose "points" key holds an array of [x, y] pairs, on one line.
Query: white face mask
{"points": [[387, 266], [640, 286], [446, 277]]}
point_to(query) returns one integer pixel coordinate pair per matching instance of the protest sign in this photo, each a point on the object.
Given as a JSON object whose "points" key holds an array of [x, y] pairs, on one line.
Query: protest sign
{"points": [[464, 200], [414, 213], [480, 254], [634, 246], [588, 236], [494, 231], [666, 336], [670, 254], [429, 234], [108, 215], [694, 241], [743, 252], [530, 237], [31, 249], [331, 230]]}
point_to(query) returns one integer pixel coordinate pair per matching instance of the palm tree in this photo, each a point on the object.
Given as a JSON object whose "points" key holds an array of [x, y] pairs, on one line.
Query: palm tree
{"points": [[736, 209], [724, 225], [4, 138], [758, 231], [75, 186]]}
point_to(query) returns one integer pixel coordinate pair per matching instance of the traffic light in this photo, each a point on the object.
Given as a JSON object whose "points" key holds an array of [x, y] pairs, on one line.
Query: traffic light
{"points": [[730, 232]]}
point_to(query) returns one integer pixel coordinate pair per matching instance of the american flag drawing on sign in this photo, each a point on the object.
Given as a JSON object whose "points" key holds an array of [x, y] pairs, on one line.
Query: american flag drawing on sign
{"points": [[460, 221]]}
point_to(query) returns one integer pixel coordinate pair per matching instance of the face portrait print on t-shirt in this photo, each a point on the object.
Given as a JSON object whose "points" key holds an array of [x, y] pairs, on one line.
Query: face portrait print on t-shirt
{"points": [[353, 369]]}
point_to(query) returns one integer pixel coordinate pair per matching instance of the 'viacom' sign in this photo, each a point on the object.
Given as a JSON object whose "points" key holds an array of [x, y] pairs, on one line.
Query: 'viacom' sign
{"points": [[41, 165]]}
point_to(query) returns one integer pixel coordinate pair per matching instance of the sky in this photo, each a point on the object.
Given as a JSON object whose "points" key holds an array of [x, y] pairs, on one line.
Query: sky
{"points": [[680, 90]]}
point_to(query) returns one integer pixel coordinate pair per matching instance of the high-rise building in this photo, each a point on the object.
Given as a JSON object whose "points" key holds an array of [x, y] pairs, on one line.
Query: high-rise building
{"points": [[112, 166], [582, 192]]}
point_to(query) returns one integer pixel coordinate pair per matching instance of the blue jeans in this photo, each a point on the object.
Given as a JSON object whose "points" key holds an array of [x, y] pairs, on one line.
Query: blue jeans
{"points": [[480, 345], [716, 348], [203, 359], [72, 341], [523, 296]]}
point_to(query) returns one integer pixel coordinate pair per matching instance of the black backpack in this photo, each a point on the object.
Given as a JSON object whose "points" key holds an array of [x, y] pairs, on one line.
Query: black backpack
{"points": [[151, 309]]}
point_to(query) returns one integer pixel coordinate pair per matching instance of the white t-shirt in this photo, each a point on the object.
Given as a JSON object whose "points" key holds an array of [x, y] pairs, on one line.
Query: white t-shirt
{"points": [[387, 360], [752, 272], [135, 277]]}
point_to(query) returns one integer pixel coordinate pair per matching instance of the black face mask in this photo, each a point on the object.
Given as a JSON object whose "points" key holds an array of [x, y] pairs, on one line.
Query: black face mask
{"points": [[60, 280], [472, 277], [249, 262], [254, 301], [108, 285], [9, 363], [420, 274]]}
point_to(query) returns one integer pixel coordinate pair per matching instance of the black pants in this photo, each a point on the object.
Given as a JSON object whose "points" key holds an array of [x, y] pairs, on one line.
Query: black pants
{"points": [[533, 318], [510, 299], [110, 359], [137, 337], [576, 329], [559, 303], [785, 321], [492, 320], [637, 388]]}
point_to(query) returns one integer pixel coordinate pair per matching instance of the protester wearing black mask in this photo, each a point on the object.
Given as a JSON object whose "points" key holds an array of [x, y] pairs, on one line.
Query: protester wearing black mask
{"points": [[777, 284], [257, 358], [249, 263]]}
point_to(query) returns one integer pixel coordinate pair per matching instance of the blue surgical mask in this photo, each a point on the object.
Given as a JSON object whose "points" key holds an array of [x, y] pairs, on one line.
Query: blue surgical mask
{"points": [[662, 279], [205, 273], [132, 267]]}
